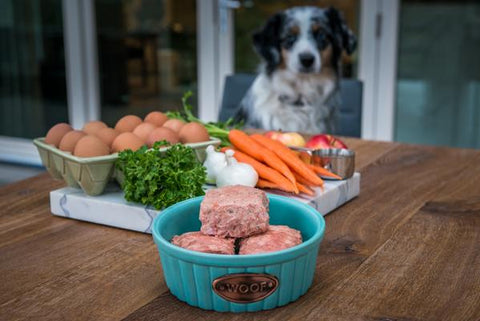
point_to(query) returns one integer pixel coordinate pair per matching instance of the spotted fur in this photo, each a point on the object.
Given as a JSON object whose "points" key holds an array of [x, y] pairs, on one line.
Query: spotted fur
{"points": [[297, 88]]}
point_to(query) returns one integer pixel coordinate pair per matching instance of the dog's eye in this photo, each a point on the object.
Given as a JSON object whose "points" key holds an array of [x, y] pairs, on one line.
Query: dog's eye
{"points": [[289, 40], [320, 38]]}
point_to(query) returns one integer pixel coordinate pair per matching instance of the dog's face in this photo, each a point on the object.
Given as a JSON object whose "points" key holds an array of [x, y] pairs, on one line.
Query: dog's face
{"points": [[304, 39]]}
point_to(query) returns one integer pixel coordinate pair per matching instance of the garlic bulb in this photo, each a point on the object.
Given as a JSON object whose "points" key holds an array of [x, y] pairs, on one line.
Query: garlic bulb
{"points": [[236, 173], [214, 163]]}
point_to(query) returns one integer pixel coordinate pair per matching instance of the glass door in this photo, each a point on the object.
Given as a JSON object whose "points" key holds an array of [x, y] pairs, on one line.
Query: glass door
{"points": [[80, 60], [438, 78], [422, 72], [146, 55], [33, 94]]}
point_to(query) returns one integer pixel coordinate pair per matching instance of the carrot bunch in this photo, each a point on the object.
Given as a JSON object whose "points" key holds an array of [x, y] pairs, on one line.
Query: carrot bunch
{"points": [[277, 165]]}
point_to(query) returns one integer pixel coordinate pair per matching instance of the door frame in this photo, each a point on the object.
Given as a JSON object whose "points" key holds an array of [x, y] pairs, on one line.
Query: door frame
{"points": [[215, 53], [378, 67], [81, 61]]}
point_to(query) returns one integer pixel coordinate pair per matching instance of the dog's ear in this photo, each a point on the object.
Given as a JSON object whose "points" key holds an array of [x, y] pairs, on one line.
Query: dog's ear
{"points": [[267, 41], [344, 35]]}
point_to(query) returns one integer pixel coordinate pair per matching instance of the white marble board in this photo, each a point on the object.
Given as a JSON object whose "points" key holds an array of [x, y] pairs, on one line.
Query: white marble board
{"points": [[111, 208]]}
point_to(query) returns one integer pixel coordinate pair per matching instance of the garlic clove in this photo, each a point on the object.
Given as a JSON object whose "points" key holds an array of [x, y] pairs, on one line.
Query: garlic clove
{"points": [[214, 163], [236, 173]]}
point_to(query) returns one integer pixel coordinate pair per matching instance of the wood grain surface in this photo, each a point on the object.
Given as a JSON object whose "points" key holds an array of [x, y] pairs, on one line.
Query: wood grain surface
{"points": [[408, 248]]}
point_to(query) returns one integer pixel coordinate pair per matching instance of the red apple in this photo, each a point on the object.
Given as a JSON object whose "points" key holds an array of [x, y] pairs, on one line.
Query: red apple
{"points": [[324, 141], [288, 139], [337, 143], [318, 142]]}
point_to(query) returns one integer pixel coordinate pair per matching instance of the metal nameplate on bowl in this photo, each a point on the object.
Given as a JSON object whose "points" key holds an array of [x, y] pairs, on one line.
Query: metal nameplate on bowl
{"points": [[245, 287]]}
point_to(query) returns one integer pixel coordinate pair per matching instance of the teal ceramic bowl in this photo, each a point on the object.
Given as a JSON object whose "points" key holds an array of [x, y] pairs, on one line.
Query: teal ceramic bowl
{"points": [[239, 283]]}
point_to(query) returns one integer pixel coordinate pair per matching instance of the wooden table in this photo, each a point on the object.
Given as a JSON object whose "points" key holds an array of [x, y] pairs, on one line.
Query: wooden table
{"points": [[408, 248]]}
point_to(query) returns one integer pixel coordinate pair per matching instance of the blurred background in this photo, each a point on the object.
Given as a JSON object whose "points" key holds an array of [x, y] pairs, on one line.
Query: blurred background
{"points": [[78, 60]]}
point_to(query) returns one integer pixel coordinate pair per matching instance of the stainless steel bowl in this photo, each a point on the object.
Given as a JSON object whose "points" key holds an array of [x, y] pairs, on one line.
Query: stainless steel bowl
{"points": [[337, 160]]}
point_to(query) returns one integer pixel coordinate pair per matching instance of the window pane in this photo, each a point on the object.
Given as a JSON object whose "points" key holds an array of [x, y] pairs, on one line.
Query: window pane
{"points": [[147, 55], [253, 14], [33, 94], [438, 86]]}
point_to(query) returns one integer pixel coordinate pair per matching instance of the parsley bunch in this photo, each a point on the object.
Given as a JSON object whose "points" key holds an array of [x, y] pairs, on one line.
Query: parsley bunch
{"points": [[161, 178]]}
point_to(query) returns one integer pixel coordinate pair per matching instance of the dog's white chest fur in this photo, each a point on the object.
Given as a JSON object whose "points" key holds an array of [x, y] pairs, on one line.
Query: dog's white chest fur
{"points": [[284, 100]]}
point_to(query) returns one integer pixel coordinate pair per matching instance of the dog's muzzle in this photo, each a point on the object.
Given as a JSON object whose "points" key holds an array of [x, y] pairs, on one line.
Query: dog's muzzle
{"points": [[306, 60]]}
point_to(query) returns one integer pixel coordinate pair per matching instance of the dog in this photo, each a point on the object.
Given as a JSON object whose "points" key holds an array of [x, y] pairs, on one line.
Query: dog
{"points": [[297, 88]]}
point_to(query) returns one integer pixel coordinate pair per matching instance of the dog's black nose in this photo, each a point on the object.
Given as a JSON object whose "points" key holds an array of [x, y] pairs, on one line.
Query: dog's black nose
{"points": [[306, 59]]}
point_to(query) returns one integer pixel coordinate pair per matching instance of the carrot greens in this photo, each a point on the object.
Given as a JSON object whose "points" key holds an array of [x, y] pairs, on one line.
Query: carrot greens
{"points": [[218, 129]]}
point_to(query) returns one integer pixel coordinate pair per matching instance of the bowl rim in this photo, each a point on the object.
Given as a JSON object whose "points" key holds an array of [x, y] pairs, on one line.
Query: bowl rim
{"points": [[327, 152], [244, 259]]}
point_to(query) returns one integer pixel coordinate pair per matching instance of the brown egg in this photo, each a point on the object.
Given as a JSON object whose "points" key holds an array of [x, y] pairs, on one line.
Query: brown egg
{"points": [[56, 133], [70, 139], [107, 135], [126, 141], [90, 146], [143, 130], [162, 133], [92, 127], [193, 133], [128, 123], [156, 117], [174, 124]]}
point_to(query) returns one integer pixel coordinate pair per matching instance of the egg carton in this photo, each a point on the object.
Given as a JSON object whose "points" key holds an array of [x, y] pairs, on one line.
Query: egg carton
{"points": [[92, 174]]}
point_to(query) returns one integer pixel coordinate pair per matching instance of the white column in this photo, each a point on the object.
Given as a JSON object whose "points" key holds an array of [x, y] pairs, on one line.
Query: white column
{"points": [[367, 65], [378, 67], [91, 61], [226, 45], [81, 61], [387, 76], [215, 40], [206, 58]]}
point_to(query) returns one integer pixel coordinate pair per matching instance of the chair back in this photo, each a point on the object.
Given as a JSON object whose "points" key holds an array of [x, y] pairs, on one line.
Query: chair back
{"points": [[234, 89], [350, 115]]}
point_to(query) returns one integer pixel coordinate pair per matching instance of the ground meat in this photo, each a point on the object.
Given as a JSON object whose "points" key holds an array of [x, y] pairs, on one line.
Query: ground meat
{"points": [[197, 241], [234, 211], [278, 237]]}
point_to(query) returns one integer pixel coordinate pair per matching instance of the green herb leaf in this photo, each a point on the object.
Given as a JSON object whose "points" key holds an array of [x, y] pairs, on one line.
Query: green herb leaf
{"points": [[161, 178]]}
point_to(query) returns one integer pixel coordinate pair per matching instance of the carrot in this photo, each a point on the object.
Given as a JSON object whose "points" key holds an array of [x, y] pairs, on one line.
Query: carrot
{"points": [[304, 181], [305, 189], [267, 184], [262, 183], [245, 144], [265, 172], [289, 157], [323, 172], [304, 156]]}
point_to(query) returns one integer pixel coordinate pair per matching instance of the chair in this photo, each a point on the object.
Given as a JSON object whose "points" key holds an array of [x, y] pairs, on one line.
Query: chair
{"points": [[350, 115]]}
